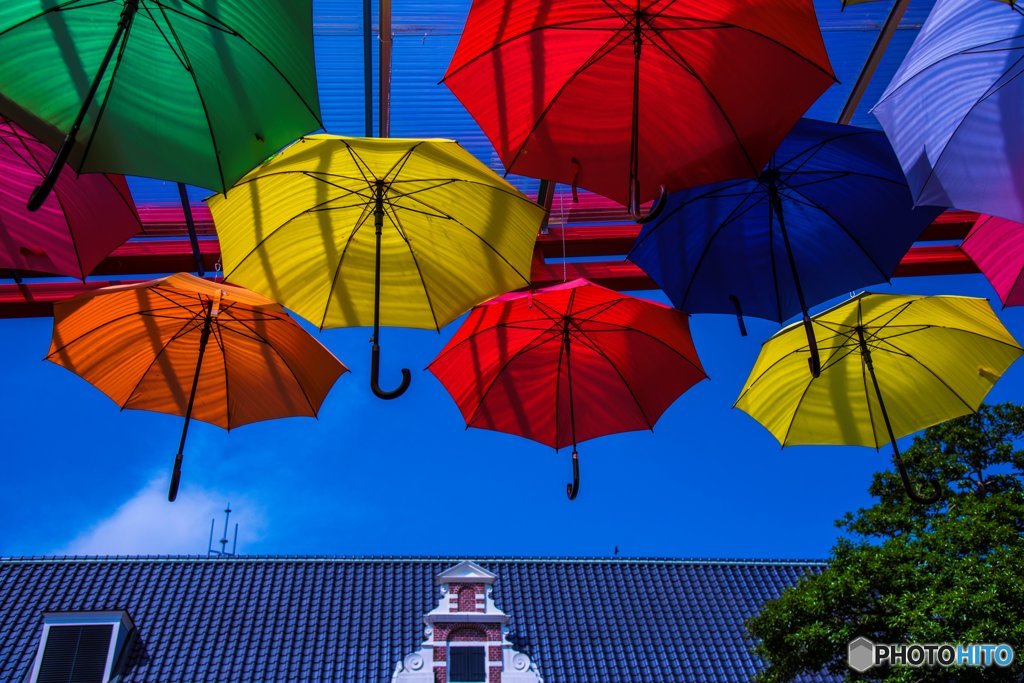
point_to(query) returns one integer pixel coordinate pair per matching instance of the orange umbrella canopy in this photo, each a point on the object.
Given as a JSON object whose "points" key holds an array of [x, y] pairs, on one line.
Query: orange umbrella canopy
{"points": [[186, 346]]}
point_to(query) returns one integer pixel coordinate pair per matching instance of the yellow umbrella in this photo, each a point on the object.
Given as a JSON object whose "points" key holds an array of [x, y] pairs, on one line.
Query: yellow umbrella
{"points": [[932, 358], [361, 231]]}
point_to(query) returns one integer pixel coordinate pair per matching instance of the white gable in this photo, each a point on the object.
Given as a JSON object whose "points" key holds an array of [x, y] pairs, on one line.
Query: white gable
{"points": [[465, 572]]}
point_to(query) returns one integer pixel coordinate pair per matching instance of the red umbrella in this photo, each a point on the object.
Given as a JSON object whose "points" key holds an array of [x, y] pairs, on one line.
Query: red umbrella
{"points": [[568, 363], [621, 96], [87, 217], [996, 245]]}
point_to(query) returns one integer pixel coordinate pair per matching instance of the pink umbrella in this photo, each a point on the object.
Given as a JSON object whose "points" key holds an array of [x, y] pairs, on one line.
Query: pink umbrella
{"points": [[996, 245], [85, 219]]}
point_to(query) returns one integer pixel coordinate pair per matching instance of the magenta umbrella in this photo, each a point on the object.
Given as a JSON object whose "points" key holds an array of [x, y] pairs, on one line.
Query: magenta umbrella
{"points": [[996, 245], [85, 219]]}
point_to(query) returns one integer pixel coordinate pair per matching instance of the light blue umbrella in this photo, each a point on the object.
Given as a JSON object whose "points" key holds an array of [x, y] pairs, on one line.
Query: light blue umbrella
{"points": [[953, 111]]}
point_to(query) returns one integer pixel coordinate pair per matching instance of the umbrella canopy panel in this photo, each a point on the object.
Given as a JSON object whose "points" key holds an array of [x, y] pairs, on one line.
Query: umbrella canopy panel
{"points": [[935, 358], [140, 344], [604, 94], [952, 112], [300, 229], [996, 245], [87, 217], [568, 363], [196, 93]]}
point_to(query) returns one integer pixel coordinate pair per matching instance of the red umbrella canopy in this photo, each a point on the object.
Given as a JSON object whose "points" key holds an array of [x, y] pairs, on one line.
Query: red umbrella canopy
{"points": [[622, 96], [85, 219], [996, 245], [568, 363]]}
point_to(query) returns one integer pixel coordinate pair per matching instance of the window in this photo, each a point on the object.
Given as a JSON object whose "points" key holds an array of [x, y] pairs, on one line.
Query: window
{"points": [[467, 664], [80, 647], [75, 653]]}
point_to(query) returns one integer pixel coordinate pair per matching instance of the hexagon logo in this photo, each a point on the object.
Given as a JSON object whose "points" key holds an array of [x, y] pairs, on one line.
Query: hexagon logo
{"points": [[861, 655]]}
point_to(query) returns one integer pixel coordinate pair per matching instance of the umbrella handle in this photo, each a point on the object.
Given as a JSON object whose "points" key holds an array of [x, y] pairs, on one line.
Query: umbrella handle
{"points": [[814, 361], [375, 377], [659, 206], [739, 314], [573, 489], [923, 499], [172, 492]]}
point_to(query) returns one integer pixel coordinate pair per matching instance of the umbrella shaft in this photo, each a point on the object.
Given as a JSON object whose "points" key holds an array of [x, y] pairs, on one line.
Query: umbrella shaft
{"points": [[378, 229], [207, 325], [40, 193], [634, 140], [186, 208], [865, 353]]}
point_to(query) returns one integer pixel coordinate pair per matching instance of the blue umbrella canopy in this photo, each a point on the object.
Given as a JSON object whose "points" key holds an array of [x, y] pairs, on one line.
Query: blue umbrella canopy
{"points": [[829, 214], [953, 110]]}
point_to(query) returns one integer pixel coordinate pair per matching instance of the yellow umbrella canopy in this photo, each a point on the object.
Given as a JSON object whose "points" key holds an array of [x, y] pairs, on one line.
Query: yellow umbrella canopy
{"points": [[366, 231], [891, 365], [143, 345]]}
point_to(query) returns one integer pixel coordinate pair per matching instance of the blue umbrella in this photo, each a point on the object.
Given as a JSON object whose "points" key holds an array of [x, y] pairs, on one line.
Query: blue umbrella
{"points": [[953, 110], [831, 213]]}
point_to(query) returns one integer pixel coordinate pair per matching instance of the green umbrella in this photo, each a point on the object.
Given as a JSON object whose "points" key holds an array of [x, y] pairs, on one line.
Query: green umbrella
{"points": [[186, 90]]}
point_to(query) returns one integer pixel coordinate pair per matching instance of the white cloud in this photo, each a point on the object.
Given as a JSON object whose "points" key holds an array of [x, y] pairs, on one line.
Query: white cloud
{"points": [[147, 524]]}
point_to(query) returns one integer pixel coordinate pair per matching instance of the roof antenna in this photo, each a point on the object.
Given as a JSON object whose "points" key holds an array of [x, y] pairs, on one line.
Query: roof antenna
{"points": [[223, 552]]}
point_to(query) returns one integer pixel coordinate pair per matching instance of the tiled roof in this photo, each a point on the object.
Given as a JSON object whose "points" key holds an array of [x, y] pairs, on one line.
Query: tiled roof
{"points": [[342, 619]]}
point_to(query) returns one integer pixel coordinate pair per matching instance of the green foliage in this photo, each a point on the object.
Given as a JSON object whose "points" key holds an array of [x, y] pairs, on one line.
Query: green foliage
{"points": [[948, 572]]}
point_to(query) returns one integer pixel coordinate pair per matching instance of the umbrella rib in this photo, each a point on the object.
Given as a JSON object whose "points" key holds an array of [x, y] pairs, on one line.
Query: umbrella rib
{"points": [[984, 98], [582, 337], [105, 323], [674, 55], [959, 53], [194, 322], [106, 94], [529, 346], [709, 194], [218, 336], [341, 259], [56, 8], [843, 228], [935, 375], [465, 227], [558, 377], [476, 333], [284, 360], [634, 330], [494, 188], [316, 115], [561, 25], [393, 215], [783, 357], [174, 50], [259, 245], [199, 93], [602, 52]]}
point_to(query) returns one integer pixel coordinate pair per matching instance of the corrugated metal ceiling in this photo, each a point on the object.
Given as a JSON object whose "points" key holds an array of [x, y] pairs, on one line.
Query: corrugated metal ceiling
{"points": [[427, 31]]}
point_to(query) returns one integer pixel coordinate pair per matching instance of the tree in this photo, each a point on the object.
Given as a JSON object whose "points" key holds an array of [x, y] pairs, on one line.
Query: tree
{"points": [[950, 572]]}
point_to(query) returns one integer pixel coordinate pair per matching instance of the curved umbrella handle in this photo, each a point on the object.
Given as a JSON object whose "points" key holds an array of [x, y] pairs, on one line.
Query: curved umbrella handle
{"points": [[375, 377], [172, 493], [923, 499], [573, 489], [659, 206]]}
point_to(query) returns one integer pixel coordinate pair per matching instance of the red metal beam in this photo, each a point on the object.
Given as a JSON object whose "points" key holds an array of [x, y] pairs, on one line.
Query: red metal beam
{"points": [[36, 299]]}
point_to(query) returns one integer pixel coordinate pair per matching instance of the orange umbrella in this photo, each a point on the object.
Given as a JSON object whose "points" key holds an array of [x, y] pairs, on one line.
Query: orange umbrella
{"points": [[144, 344]]}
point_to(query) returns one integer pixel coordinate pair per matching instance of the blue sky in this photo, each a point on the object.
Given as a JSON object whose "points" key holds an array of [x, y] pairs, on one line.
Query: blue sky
{"points": [[404, 477]]}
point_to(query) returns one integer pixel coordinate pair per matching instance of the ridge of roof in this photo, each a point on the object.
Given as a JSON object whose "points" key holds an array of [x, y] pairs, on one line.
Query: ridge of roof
{"points": [[367, 559]]}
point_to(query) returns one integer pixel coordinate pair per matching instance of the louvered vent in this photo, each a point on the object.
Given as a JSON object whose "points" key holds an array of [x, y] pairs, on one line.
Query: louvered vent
{"points": [[75, 654]]}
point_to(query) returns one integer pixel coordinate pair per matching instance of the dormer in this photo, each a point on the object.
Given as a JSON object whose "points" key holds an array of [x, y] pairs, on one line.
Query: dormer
{"points": [[466, 636], [84, 647]]}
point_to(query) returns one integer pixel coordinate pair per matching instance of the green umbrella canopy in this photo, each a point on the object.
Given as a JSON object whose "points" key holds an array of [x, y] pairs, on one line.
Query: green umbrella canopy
{"points": [[195, 91]]}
